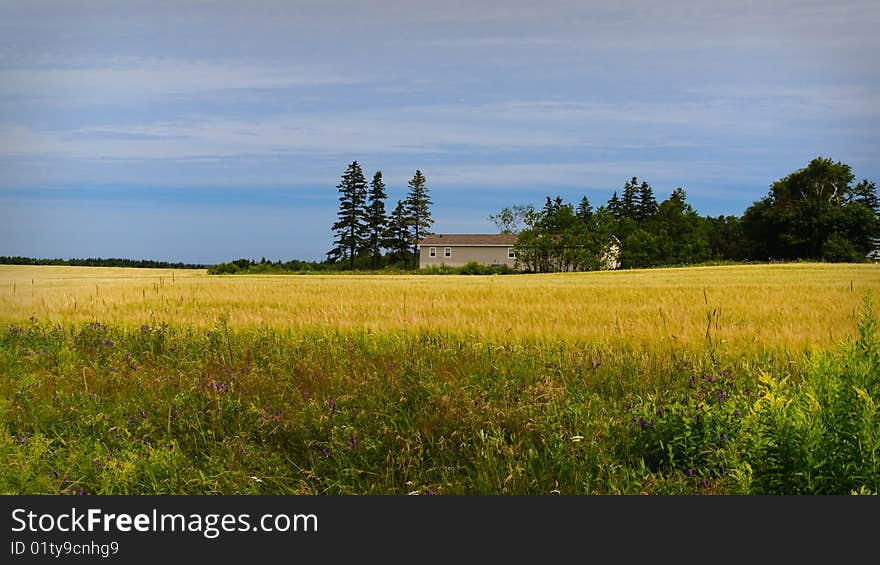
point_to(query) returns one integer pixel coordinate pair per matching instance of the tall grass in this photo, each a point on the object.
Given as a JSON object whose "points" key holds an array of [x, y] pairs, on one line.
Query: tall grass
{"points": [[222, 406]]}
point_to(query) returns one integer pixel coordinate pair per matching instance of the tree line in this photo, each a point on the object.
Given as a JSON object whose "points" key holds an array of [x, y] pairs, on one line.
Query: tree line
{"points": [[98, 262], [815, 213]]}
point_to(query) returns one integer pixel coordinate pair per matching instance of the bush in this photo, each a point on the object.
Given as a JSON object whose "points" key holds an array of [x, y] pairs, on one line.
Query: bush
{"points": [[820, 436]]}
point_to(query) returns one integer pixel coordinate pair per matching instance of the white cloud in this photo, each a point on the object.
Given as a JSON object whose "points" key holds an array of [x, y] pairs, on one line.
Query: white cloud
{"points": [[131, 81]]}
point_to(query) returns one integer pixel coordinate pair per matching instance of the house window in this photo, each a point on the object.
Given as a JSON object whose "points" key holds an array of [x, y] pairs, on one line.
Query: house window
{"points": [[447, 252], [511, 254], [432, 251]]}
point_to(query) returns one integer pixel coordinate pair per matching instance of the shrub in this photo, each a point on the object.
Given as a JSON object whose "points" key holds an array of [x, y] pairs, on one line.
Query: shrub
{"points": [[822, 435]]}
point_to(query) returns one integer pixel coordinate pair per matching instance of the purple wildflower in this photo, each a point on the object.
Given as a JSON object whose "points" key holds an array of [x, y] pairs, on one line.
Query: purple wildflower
{"points": [[643, 423]]}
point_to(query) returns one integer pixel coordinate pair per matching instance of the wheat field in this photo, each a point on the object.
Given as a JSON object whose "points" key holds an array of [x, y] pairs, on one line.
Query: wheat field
{"points": [[788, 305]]}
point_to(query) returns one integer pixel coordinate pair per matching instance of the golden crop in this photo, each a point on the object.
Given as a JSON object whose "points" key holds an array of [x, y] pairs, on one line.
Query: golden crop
{"points": [[791, 305]]}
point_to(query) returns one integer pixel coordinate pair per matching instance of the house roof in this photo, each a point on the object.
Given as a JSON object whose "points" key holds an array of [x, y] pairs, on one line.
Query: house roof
{"points": [[504, 239]]}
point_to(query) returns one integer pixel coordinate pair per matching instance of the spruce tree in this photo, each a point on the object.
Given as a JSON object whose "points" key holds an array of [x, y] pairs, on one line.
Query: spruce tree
{"points": [[647, 203], [585, 209], [615, 207], [418, 210], [376, 220], [350, 227], [629, 200], [398, 237]]}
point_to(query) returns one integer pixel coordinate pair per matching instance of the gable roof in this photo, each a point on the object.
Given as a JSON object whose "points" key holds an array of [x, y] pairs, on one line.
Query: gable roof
{"points": [[502, 239]]}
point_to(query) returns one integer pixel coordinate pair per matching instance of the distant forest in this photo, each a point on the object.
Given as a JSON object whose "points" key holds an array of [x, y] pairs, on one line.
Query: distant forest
{"points": [[97, 262]]}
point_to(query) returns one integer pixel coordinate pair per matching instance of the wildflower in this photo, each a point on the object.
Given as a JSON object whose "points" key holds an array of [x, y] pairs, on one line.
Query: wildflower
{"points": [[332, 404], [720, 395], [690, 472], [643, 423], [352, 442], [736, 413], [325, 452]]}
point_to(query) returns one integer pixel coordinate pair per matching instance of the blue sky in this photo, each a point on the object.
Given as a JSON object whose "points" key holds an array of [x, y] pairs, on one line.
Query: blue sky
{"points": [[207, 131]]}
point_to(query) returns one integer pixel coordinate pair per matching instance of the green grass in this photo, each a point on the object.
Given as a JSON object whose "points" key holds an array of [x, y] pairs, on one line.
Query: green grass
{"points": [[176, 409]]}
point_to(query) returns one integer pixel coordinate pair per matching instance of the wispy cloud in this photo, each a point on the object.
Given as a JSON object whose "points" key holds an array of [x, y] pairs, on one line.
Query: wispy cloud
{"points": [[135, 80]]}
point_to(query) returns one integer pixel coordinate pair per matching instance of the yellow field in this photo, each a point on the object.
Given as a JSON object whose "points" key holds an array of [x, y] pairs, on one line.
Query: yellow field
{"points": [[789, 305]]}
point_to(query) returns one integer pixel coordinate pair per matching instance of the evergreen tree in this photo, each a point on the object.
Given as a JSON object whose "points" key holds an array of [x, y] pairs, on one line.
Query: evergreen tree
{"points": [[629, 202], [376, 220], [418, 210], [398, 238], [647, 208], [585, 210], [350, 227], [615, 207]]}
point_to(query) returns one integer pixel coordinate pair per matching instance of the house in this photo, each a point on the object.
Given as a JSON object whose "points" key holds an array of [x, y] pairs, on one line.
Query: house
{"points": [[456, 250], [874, 253]]}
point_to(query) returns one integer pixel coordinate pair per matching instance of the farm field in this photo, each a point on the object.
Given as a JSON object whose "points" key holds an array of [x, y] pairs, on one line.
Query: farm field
{"points": [[715, 380], [792, 305]]}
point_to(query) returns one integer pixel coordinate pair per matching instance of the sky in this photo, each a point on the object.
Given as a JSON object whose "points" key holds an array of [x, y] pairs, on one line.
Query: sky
{"points": [[202, 132]]}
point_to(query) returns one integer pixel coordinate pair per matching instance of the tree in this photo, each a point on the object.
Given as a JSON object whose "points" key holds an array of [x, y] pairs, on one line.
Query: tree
{"points": [[630, 199], [398, 236], [809, 213], [350, 227], [514, 219], [615, 207], [865, 193], [376, 220], [418, 210], [647, 206], [584, 210]]}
